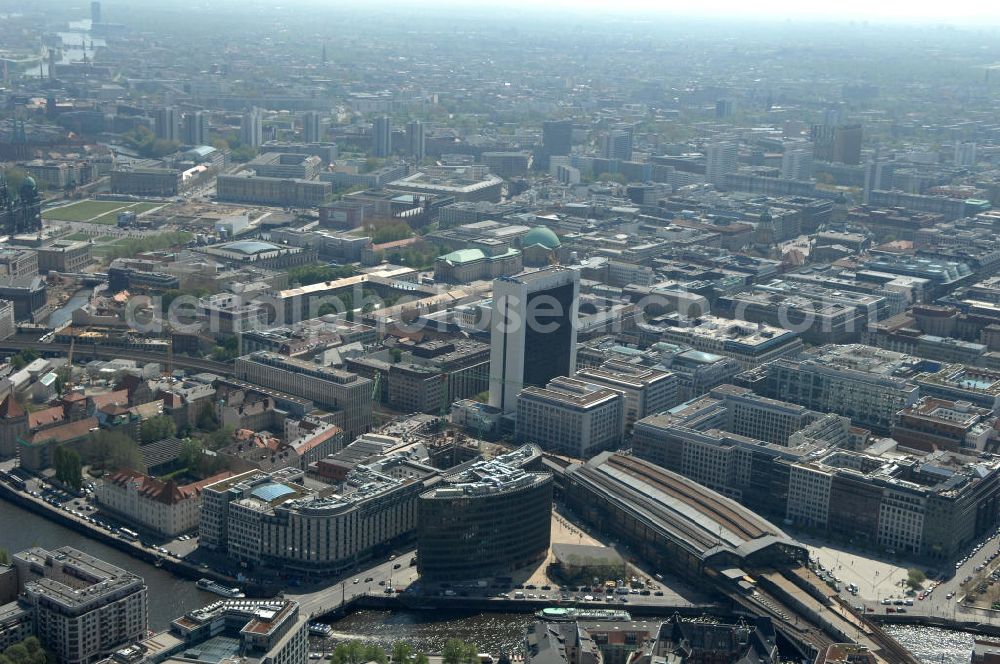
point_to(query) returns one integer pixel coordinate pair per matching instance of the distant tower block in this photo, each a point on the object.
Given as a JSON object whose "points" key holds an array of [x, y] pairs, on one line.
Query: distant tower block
{"points": [[251, 128], [416, 140], [312, 127], [382, 137], [95, 13], [196, 128]]}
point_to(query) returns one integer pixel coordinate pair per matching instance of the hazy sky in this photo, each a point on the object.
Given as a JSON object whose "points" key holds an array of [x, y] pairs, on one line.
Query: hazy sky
{"points": [[945, 11]]}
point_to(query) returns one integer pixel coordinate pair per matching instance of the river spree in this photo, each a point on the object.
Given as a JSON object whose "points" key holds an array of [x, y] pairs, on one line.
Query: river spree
{"points": [[932, 645], [427, 631], [65, 312], [169, 597], [496, 633]]}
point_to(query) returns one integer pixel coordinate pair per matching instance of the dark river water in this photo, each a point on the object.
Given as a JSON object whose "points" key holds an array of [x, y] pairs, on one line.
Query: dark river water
{"points": [[427, 631], [934, 646], [65, 312], [170, 597], [498, 633]]}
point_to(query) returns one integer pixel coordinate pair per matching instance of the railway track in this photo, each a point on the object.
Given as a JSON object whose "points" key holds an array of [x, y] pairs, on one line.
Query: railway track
{"points": [[80, 351], [785, 619]]}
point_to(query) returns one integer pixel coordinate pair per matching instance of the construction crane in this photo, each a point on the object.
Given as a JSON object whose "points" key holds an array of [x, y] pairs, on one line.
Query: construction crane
{"points": [[445, 401], [68, 382], [377, 388]]}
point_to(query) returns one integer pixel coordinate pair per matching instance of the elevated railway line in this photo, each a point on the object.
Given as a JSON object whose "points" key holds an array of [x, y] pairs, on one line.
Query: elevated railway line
{"points": [[99, 351]]}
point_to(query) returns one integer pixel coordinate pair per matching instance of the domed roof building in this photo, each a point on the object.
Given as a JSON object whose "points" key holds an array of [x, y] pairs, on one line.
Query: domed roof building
{"points": [[539, 247], [261, 253], [21, 210], [251, 247], [29, 189], [543, 236]]}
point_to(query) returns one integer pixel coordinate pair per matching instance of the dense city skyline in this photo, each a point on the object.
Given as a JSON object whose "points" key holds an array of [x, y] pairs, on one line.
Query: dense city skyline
{"points": [[450, 333]]}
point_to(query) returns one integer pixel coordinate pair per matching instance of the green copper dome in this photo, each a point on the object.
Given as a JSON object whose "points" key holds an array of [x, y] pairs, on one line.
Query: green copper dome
{"points": [[28, 187], [541, 235]]}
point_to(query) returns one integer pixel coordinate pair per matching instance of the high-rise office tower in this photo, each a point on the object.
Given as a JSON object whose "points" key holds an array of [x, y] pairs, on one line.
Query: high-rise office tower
{"points": [[196, 128], [847, 144], [166, 124], [557, 140], [95, 13], [618, 144], [312, 127], [822, 139], [869, 184], [382, 137], [532, 331], [965, 154], [720, 161], [252, 128], [416, 143], [837, 144], [723, 109], [878, 177], [796, 163]]}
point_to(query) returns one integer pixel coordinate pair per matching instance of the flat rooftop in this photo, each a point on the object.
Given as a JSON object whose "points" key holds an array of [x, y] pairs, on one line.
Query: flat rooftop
{"points": [[82, 578], [571, 392], [735, 331]]}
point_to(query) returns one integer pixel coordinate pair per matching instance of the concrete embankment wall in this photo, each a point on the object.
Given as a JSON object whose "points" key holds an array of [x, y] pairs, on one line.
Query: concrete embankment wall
{"points": [[173, 565]]}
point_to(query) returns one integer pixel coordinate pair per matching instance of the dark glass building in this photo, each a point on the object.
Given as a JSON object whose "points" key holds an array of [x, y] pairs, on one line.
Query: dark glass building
{"points": [[557, 140], [532, 331], [488, 519]]}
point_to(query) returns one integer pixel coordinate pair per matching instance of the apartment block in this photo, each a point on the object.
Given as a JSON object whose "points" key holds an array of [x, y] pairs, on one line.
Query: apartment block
{"points": [[84, 608], [332, 388], [277, 519], [868, 385], [571, 417], [750, 344], [153, 505], [646, 391]]}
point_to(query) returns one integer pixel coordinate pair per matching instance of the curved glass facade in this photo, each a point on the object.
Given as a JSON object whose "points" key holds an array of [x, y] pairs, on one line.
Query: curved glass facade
{"points": [[468, 535]]}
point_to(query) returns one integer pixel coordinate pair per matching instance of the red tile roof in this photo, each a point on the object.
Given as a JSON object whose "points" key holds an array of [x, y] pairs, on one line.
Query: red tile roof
{"points": [[397, 244], [167, 492], [317, 440], [118, 397], [11, 408], [46, 417], [63, 433]]}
